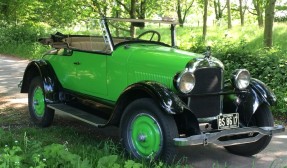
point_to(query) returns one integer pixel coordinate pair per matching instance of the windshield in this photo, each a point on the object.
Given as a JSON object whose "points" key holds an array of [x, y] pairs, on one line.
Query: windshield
{"points": [[149, 31], [137, 29]]}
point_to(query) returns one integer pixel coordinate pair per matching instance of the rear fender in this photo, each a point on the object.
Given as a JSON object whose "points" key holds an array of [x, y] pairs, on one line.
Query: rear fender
{"points": [[50, 82]]}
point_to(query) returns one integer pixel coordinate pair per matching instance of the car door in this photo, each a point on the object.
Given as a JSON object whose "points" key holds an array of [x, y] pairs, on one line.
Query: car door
{"points": [[91, 73], [63, 64]]}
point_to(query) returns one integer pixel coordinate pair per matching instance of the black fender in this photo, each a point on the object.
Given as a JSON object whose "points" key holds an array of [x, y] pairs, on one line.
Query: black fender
{"points": [[246, 103], [167, 100], [265, 94], [50, 81]]}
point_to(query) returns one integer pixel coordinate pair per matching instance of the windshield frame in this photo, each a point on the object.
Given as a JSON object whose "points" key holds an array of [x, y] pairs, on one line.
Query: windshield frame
{"points": [[109, 39]]}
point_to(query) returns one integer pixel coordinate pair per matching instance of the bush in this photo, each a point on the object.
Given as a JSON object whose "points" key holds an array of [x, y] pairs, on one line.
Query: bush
{"points": [[21, 40], [32, 153], [269, 66]]}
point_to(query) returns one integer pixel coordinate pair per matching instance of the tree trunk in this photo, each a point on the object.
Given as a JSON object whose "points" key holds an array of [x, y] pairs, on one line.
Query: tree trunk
{"points": [[215, 10], [204, 20], [142, 9], [241, 13], [219, 9], [269, 18], [257, 5], [260, 18], [178, 10], [229, 14], [132, 16]]}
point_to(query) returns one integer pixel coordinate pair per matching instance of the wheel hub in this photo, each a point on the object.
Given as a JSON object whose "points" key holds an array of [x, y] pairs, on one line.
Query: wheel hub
{"points": [[142, 137], [146, 135], [36, 103], [39, 102]]}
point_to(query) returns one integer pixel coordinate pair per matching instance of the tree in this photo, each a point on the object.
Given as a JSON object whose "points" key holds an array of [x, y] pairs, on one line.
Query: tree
{"points": [[269, 18], [100, 7], [229, 14], [15, 12], [204, 20], [183, 7], [218, 9], [259, 8], [242, 10]]}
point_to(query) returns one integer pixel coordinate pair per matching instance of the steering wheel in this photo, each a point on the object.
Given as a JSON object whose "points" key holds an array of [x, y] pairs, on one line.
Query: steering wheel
{"points": [[152, 32]]}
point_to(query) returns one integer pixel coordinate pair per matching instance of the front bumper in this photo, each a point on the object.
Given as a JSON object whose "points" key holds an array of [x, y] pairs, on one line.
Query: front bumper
{"points": [[218, 137]]}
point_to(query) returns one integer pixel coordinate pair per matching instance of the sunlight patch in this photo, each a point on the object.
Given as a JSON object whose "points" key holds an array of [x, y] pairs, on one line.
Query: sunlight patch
{"points": [[281, 136], [20, 100]]}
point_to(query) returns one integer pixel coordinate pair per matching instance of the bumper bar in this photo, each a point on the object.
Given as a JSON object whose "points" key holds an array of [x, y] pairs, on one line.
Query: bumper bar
{"points": [[217, 137]]}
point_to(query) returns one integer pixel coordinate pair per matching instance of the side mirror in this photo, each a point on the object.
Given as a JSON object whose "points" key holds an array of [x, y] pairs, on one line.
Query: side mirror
{"points": [[65, 52]]}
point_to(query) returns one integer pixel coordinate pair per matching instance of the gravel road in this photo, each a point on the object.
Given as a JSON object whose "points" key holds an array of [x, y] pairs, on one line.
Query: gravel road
{"points": [[275, 155]]}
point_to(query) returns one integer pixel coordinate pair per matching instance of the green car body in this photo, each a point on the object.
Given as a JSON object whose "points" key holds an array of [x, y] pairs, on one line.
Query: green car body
{"points": [[106, 76], [157, 94]]}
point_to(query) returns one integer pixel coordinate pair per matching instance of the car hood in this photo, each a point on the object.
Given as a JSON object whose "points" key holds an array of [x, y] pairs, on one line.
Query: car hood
{"points": [[154, 62], [156, 56]]}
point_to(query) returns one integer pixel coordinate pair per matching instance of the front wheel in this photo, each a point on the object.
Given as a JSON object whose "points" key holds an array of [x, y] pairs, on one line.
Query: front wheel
{"points": [[147, 132], [262, 118], [40, 114]]}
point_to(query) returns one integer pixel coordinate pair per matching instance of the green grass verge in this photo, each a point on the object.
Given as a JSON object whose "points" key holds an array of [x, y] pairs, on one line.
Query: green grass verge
{"points": [[24, 50], [63, 146]]}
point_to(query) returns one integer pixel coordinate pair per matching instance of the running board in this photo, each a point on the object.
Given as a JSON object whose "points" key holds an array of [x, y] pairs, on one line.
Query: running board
{"points": [[78, 114]]}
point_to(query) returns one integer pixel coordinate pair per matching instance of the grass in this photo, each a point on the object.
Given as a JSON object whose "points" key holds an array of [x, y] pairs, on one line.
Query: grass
{"points": [[67, 143], [24, 50], [63, 146]]}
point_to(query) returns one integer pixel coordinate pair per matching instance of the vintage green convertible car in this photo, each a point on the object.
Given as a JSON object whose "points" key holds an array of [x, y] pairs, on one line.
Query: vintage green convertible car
{"points": [[160, 97]]}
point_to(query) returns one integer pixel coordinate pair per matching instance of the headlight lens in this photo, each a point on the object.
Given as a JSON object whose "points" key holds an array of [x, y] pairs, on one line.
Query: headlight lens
{"points": [[241, 79], [186, 82]]}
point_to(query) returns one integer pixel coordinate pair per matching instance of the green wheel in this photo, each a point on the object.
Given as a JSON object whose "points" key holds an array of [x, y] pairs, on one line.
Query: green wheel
{"points": [[147, 132], [40, 114]]}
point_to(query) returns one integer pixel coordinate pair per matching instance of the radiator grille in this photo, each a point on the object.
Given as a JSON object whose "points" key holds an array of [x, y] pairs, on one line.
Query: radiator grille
{"points": [[208, 80]]}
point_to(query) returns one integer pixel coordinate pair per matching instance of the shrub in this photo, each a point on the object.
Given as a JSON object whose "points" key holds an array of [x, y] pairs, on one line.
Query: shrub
{"points": [[21, 40], [269, 66]]}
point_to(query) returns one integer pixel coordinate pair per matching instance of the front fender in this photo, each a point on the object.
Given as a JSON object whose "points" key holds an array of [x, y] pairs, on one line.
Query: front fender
{"points": [[167, 100], [45, 71], [264, 92], [246, 103]]}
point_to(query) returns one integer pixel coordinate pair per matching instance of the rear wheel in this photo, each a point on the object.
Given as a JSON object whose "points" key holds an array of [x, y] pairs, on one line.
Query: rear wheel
{"points": [[147, 132], [262, 118], [40, 114]]}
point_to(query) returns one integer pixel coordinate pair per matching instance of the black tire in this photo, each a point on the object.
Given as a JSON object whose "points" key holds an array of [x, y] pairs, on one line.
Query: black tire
{"points": [[140, 119], [40, 114], [262, 117]]}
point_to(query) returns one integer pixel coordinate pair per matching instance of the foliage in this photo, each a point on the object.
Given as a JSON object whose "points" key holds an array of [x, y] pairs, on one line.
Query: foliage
{"points": [[270, 66], [21, 40], [41, 148], [51, 12]]}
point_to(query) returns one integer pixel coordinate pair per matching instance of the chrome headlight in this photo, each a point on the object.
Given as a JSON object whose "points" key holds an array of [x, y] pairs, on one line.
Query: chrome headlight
{"points": [[185, 82], [240, 78]]}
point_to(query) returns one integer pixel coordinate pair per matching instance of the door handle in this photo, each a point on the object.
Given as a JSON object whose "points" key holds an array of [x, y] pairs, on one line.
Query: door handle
{"points": [[77, 63]]}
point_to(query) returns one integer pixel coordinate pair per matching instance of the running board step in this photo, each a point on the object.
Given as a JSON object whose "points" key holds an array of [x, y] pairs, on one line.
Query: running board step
{"points": [[78, 114]]}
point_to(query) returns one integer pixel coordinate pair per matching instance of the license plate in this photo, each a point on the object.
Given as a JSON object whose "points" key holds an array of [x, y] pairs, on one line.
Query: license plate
{"points": [[227, 121]]}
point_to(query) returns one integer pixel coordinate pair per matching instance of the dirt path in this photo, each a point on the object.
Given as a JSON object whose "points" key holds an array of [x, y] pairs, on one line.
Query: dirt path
{"points": [[11, 73]]}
